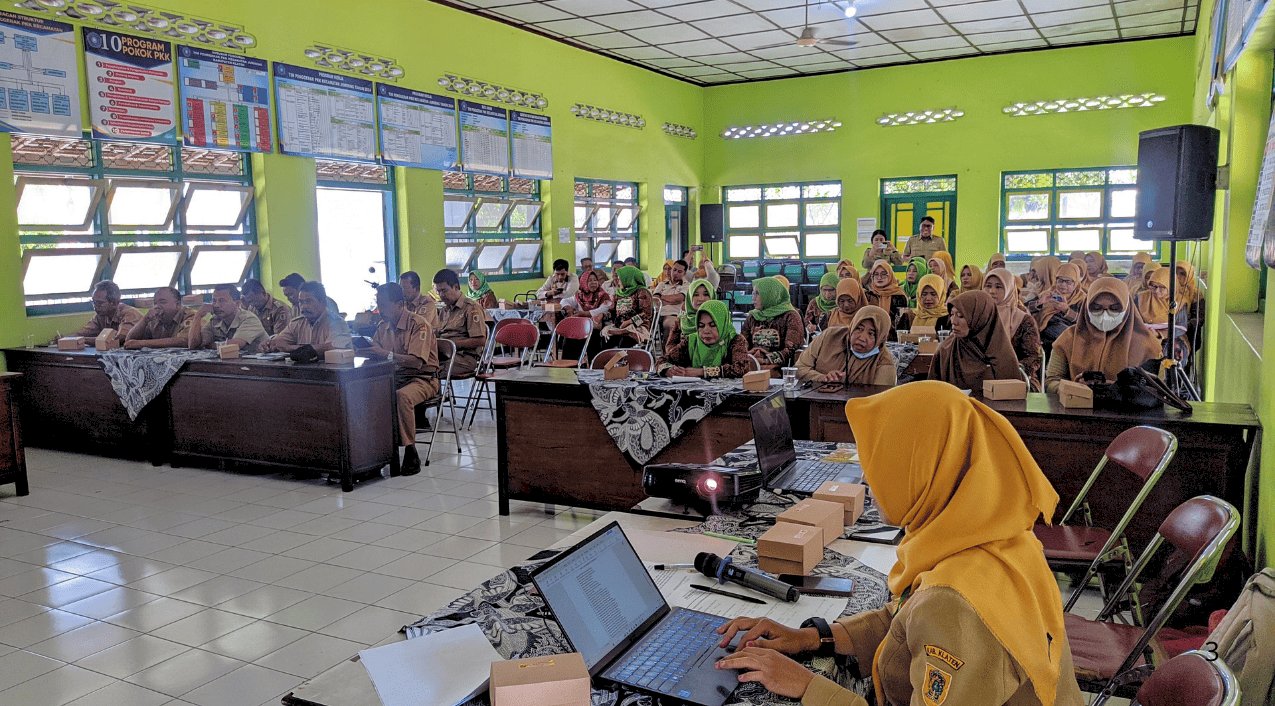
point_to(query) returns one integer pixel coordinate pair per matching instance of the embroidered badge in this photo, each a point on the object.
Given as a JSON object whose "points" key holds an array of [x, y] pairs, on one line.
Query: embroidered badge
{"points": [[936, 685], [944, 656]]}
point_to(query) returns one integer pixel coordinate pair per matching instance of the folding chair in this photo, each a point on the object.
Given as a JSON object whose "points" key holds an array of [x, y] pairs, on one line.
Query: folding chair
{"points": [[1198, 531], [444, 397], [640, 360], [518, 336], [572, 328], [1143, 451], [656, 341], [1194, 678]]}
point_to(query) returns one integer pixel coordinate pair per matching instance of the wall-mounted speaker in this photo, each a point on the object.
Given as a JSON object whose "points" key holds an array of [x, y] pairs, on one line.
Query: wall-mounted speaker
{"points": [[711, 226], [1177, 181]]}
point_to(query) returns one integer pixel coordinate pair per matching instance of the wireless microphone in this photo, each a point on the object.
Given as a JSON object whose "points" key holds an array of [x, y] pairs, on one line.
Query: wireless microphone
{"points": [[725, 570]]}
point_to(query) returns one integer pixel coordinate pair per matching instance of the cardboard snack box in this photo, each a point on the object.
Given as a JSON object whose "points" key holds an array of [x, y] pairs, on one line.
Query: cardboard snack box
{"points": [[789, 548], [107, 340], [851, 496], [71, 343], [757, 381], [1075, 395], [228, 351], [1004, 390], [827, 516], [339, 356], [553, 680]]}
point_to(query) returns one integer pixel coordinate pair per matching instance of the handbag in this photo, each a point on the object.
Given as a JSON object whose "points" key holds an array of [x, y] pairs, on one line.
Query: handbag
{"points": [[1135, 389]]}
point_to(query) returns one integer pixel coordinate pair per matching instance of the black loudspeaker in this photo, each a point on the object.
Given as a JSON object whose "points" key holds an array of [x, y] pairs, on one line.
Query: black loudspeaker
{"points": [[710, 223], [1177, 178]]}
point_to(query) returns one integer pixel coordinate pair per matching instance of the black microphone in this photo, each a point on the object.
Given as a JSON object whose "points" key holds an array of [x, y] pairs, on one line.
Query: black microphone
{"points": [[723, 570]]}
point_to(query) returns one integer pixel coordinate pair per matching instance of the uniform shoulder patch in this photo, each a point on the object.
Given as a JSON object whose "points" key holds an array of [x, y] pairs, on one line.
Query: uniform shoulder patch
{"points": [[936, 686], [944, 656]]}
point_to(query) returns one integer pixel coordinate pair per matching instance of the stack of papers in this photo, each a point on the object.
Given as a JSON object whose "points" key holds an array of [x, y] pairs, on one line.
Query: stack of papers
{"points": [[444, 668]]}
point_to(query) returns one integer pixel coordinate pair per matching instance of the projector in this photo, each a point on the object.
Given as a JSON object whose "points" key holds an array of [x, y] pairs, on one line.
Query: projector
{"points": [[702, 487]]}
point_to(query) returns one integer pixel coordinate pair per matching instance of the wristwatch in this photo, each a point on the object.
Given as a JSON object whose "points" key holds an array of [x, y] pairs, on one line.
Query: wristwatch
{"points": [[827, 643]]}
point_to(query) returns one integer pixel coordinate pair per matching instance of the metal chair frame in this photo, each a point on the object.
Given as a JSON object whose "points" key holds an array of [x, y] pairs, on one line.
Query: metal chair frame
{"points": [[1230, 685], [482, 391], [444, 397], [550, 350], [612, 352]]}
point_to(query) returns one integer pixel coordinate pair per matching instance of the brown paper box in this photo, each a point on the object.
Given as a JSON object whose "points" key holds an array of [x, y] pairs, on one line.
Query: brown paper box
{"points": [[850, 495], [929, 346], [551, 307], [339, 356], [554, 680], [71, 343], [228, 351], [827, 516], [757, 381], [107, 340], [1074, 395], [615, 370], [924, 331], [789, 548], [1004, 390]]}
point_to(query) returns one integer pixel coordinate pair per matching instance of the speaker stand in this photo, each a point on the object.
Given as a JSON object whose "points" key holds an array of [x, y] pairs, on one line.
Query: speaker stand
{"points": [[1175, 377]]}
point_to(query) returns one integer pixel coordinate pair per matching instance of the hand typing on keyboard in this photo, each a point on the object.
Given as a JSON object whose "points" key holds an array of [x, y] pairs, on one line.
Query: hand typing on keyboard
{"points": [[779, 674]]}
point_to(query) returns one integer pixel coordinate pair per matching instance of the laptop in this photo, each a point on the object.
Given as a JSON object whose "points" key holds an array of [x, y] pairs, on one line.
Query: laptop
{"points": [[613, 614], [777, 455]]}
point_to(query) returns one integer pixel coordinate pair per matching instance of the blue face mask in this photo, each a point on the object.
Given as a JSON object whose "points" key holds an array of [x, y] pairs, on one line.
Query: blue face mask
{"points": [[865, 356]]}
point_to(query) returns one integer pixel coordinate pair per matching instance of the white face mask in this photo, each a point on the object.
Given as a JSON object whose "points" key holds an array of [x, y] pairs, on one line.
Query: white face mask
{"points": [[1107, 320], [865, 356]]}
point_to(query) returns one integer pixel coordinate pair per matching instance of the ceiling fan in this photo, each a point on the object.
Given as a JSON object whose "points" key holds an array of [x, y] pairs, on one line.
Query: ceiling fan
{"points": [[810, 40]]}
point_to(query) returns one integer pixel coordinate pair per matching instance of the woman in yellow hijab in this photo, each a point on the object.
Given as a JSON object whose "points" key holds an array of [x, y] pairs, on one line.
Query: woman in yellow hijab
{"points": [[976, 616], [846, 269], [931, 302]]}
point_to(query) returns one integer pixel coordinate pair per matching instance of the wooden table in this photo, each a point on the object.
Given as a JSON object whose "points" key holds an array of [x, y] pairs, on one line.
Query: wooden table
{"points": [[336, 419], [347, 684], [13, 464]]}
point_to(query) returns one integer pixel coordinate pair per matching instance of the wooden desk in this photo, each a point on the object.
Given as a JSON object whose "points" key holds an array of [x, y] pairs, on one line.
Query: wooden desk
{"points": [[13, 464], [337, 419]]}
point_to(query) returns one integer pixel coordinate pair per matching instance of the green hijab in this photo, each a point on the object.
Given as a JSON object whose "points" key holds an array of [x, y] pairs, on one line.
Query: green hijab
{"points": [[775, 300], [483, 288], [631, 280], [703, 356], [691, 318], [828, 281], [910, 289]]}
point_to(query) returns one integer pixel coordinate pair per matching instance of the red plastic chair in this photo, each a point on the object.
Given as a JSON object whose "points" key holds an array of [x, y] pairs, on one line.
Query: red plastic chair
{"points": [[1192, 678], [1142, 451], [1102, 649], [572, 328], [640, 360]]}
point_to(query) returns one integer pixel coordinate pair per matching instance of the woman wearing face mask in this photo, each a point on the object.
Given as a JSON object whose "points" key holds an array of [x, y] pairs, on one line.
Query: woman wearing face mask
{"points": [[931, 304], [819, 307], [881, 249], [850, 300], [773, 330], [971, 278], [883, 290], [1021, 328], [917, 268], [700, 291], [974, 617], [713, 351], [1110, 337], [978, 349], [1060, 307], [851, 355]]}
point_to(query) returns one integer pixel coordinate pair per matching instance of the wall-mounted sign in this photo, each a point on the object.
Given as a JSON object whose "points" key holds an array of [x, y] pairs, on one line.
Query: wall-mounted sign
{"points": [[39, 76], [130, 85]]}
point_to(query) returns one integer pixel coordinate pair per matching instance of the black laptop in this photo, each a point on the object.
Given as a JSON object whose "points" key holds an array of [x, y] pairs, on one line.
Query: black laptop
{"points": [[613, 614], [777, 455]]}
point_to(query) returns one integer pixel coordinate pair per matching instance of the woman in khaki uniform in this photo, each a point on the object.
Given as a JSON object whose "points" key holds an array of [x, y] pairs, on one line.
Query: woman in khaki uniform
{"points": [[976, 616]]}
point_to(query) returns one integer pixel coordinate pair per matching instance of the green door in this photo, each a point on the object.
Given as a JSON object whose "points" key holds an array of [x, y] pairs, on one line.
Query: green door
{"points": [[904, 202]]}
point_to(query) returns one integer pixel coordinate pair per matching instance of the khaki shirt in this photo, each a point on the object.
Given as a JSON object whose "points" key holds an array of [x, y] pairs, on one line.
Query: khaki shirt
{"points": [[245, 327], [937, 651], [274, 316], [920, 247], [152, 328], [412, 337], [330, 332], [465, 320], [426, 308], [123, 321]]}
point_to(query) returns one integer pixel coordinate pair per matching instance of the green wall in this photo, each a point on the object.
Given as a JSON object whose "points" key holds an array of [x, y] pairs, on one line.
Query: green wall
{"points": [[977, 147]]}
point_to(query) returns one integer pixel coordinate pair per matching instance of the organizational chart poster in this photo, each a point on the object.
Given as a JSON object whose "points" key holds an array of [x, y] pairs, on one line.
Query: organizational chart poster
{"points": [[130, 84], [39, 76]]}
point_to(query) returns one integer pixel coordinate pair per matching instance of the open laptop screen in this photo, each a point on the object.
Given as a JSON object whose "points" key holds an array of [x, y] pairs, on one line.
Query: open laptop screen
{"points": [[772, 434], [600, 593]]}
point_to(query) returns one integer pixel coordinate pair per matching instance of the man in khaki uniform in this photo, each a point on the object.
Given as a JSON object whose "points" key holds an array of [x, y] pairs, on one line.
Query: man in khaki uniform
{"points": [[273, 313], [410, 339], [463, 323], [166, 325], [925, 243], [291, 289], [416, 302], [109, 312], [230, 323], [317, 326]]}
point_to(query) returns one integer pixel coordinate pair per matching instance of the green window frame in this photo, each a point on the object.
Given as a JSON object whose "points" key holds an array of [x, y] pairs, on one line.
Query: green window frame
{"points": [[1058, 211], [492, 224], [607, 220], [336, 175], [799, 221], [144, 215]]}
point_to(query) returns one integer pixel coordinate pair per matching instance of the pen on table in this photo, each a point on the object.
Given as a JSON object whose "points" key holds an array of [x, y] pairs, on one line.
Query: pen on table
{"points": [[728, 594], [731, 537], [673, 567]]}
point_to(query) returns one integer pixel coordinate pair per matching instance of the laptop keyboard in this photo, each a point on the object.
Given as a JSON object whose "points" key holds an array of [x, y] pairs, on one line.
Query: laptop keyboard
{"points": [[808, 476], [660, 661]]}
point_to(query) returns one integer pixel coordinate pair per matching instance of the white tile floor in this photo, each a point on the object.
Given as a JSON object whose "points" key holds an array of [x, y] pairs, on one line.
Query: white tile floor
{"points": [[126, 584]]}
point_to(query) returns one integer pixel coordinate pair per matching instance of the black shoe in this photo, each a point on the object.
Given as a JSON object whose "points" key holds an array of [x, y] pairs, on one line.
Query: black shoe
{"points": [[411, 462]]}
